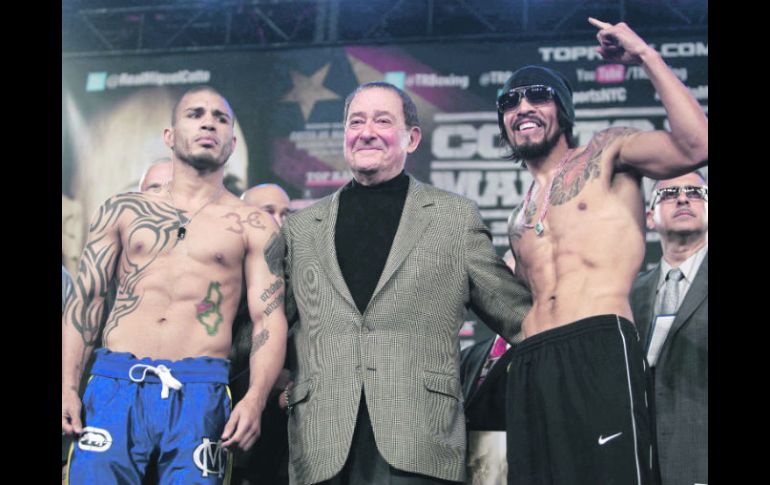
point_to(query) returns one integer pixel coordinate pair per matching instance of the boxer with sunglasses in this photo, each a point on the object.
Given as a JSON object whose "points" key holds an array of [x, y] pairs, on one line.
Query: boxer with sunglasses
{"points": [[577, 408]]}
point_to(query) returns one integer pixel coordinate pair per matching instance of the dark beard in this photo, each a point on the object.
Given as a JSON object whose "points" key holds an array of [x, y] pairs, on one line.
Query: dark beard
{"points": [[203, 163], [534, 151]]}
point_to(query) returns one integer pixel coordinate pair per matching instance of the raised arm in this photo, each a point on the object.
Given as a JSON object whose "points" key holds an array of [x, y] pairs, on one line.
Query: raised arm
{"points": [[265, 294], [657, 154], [84, 308]]}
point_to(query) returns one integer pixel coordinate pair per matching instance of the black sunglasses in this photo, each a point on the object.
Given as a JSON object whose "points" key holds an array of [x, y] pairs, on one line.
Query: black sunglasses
{"points": [[692, 192], [535, 94]]}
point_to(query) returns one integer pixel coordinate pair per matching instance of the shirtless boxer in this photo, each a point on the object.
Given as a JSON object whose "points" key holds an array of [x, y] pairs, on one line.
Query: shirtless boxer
{"points": [[577, 404], [159, 385]]}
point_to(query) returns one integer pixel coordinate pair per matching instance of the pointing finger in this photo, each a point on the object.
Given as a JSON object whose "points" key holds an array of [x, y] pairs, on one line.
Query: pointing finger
{"points": [[599, 23]]}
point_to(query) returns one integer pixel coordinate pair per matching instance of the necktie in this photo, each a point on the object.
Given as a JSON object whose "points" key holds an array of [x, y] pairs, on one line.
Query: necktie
{"points": [[670, 301]]}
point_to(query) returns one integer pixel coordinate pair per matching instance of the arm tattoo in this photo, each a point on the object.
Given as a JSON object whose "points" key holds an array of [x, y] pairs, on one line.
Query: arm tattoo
{"points": [[274, 253], [270, 308], [270, 291], [208, 312], [86, 303], [258, 341], [584, 167], [252, 220]]}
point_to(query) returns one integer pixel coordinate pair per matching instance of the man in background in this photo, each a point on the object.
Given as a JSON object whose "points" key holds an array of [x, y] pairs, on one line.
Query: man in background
{"points": [[670, 305], [271, 198], [157, 175]]}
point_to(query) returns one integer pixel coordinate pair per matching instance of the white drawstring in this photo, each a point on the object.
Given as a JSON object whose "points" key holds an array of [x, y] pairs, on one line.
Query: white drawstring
{"points": [[163, 372]]}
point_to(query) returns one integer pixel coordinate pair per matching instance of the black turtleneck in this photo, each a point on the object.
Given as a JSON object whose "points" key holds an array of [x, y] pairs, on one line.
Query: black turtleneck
{"points": [[367, 221]]}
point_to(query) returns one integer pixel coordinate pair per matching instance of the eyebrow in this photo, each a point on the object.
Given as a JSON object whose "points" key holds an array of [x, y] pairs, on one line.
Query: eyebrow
{"points": [[201, 109], [376, 114]]}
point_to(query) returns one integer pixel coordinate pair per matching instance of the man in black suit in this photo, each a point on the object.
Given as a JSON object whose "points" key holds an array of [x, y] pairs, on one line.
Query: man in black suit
{"points": [[670, 305]]}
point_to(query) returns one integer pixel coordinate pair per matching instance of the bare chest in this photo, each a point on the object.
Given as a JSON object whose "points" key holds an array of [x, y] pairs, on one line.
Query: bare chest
{"points": [[584, 227], [214, 239]]}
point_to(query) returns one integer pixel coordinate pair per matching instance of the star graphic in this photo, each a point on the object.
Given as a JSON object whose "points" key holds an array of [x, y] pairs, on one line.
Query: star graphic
{"points": [[308, 90]]}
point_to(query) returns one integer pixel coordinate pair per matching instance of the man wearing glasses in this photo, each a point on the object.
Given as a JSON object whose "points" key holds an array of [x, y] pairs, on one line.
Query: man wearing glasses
{"points": [[577, 410], [670, 304]]}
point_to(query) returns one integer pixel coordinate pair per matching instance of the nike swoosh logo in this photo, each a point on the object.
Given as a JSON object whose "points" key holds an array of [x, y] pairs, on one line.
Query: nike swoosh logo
{"points": [[603, 440]]}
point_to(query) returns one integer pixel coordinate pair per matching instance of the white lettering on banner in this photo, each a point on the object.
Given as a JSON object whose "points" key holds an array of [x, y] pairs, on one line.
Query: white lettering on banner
{"points": [[590, 52], [569, 53], [486, 188], [684, 49], [494, 77], [444, 135], [432, 80], [501, 241], [210, 457], [327, 178], [155, 78], [465, 140], [605, 95], [584, 75], [320, 143], [638, 73]]}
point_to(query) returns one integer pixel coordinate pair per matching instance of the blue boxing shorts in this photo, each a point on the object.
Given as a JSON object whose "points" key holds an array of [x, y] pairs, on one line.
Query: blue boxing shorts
{"points": [[137, 408]]}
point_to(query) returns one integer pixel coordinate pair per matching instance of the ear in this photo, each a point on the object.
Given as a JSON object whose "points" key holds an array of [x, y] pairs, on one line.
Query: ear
{"points": [[168, 137], [415, 135], [650, 216]]}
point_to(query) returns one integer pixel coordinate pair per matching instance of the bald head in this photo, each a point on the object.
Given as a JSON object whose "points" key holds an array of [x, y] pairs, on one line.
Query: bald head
{"points": [[158, 174], [270, 198]]}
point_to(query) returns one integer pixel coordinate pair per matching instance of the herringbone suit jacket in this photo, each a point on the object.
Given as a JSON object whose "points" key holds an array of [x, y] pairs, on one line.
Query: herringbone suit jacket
{"points": [[403, 352], [681, 378]]}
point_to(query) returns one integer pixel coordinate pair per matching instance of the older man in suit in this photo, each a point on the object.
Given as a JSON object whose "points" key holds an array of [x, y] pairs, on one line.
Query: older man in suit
{"points": [[379, 276], [670, 305]]}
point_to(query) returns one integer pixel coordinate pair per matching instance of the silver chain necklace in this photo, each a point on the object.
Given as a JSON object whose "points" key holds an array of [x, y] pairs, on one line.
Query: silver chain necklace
{"points": [[181, 232]]}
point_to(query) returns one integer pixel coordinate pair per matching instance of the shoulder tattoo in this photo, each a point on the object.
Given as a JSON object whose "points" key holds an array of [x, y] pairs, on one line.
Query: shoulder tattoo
{"points": [[583, 167]]}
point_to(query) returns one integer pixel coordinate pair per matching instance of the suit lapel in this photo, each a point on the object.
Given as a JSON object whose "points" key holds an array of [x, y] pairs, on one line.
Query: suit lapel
{"points": [[327, 252], [414, 220]]}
